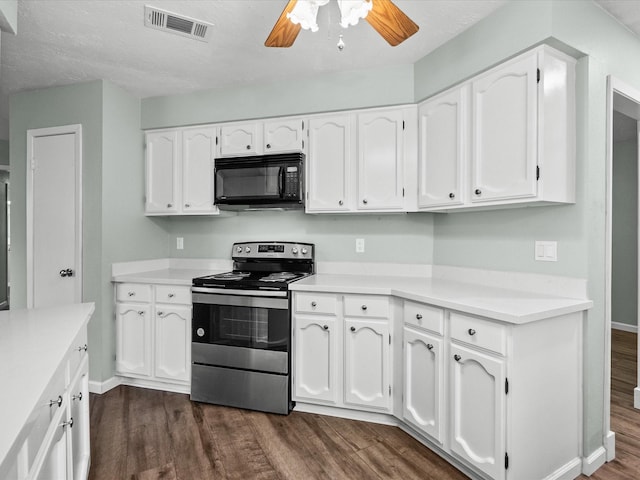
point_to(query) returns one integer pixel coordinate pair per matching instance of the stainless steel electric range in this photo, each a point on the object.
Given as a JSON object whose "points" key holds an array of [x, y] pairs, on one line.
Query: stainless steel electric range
{"points": [[241, 329]]}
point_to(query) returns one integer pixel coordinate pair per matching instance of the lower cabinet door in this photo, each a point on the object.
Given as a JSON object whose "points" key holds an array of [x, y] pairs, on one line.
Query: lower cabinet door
{"points": [[79, 404], [478, 410], [54, 463], [173, 342], [133, 339], [423, 382], [315, 359], [366, 365]]}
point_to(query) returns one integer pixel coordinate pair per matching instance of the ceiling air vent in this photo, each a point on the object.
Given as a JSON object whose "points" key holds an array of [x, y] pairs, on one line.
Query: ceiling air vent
{"points": [[179, 24]]}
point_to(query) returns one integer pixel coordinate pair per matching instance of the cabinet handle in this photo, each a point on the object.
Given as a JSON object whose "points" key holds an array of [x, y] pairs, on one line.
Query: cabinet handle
{"points": [[471, 332], [268, 145], [160, 314], [248, 147], [429, 346], [69, 423], [363, 307], [457, 358], [77, 397], [140, 312], [131, 294], [364, 200], [419, 316], [58, 401], [171, 295], [478, 191], [169, 205], [353, 329], [83, 347], [187, 205], [326, 327], [452, 195], [340, 202], [314, 304]]}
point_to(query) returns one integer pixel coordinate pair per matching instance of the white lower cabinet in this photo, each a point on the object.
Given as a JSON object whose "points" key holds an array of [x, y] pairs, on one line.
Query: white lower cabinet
{"points": [[153, 334]]}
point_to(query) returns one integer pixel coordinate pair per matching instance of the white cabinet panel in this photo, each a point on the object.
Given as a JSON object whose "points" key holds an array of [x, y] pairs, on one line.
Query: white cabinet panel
{"points": [[240, 139], [198, 152], [173, 342], [162, 171], [478, 410], [316, 361], [331, 151], [366, 364], [423, 382], [133, 339], [79, 410], [504, 131], [282, 135]]}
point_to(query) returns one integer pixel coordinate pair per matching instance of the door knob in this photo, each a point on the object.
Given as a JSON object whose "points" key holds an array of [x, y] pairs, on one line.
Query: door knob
{"points": [[66, 272]]}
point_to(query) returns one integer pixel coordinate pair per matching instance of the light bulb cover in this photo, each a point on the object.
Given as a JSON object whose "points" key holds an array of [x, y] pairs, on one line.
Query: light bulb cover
{"points": [[351, 11], [305, 13]]}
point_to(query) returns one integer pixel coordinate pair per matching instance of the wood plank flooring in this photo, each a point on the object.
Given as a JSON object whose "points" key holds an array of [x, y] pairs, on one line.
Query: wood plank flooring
{"points": [[141, 434]]}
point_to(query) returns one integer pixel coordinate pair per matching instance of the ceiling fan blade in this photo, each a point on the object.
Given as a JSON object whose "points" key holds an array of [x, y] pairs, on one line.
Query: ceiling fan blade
{"points": [[391, 22], [284, 32]]}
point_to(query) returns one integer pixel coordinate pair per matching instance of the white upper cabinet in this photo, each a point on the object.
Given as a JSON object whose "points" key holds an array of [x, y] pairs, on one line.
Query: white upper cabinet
{"points": [[505, 137], [282, 135], [504, 131], [443, 131], [331, 150], [162, 171], [278, 135], [179, 171], [380, 160], [238, 139]]}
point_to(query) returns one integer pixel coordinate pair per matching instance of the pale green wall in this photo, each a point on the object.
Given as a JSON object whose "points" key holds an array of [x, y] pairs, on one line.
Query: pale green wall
{"points": [[4, 152], [624, 281]]}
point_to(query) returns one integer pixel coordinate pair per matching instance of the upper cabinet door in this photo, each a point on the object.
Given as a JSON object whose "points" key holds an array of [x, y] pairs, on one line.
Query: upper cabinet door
{"points": [[330, 153], [504, 131], [162, 172], [443, 125], [198, 151], [380, 160], [240, 139], [284, 136]]}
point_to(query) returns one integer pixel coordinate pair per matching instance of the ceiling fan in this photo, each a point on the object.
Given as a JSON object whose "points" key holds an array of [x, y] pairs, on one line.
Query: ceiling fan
{"points": [[387, 19]]}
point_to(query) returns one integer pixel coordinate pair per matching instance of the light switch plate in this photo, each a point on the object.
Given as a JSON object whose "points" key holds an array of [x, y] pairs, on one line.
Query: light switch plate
{"points": [[359, 245], [546, 251], [180, 243]]}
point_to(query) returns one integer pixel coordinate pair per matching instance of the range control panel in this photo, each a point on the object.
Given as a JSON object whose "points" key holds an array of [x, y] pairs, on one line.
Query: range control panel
{"points": [[282, 250]]}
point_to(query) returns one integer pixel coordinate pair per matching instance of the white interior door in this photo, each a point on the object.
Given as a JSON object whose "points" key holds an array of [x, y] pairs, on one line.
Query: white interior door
{"points": [[54, 231]]}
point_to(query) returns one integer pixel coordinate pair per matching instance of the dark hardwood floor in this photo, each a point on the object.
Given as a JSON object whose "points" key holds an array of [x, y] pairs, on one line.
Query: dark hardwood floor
{"points": [[142, 434]]}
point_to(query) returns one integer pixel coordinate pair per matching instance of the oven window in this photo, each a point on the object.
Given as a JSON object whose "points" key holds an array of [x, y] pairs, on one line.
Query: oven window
{"points": [[248, 182], [251, 327]]}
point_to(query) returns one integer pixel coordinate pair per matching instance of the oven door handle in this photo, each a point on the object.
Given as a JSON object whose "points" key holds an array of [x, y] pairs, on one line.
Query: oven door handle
{"points": [[281, 303], [281, 182]]}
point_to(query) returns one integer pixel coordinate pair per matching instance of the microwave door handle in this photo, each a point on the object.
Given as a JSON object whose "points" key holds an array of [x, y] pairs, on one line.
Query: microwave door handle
{"points": [[281, 182]]}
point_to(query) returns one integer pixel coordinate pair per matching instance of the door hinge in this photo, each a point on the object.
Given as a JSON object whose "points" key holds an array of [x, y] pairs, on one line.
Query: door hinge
{"points": [[302, 124], [537, 173], [389, 390], [403, 124], [506, 461], [506, 386], [389, 339], [403, 192], [303, 144], [216, 139], [538, 76]]}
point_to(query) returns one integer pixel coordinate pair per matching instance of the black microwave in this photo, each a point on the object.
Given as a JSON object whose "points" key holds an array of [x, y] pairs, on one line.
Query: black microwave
{"points": [[264, 181]]}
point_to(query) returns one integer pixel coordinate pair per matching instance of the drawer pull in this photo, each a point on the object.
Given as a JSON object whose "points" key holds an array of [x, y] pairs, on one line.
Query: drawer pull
{"points": [[419, 316], [77, 397], [314, 304], [160, 314], [478, 191], [353, 329], [83, 347], [457, 358], [364, 307], [248, 147], [131, 294], [171, 295], [429, 346], [58, 401], [325, 327], [69, 423], [452, 195], [140, 312], [471, 332]]}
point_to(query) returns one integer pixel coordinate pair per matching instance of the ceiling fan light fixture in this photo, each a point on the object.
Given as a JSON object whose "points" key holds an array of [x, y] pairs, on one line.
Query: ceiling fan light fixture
{"points": [[305, 13], [351, 11]]}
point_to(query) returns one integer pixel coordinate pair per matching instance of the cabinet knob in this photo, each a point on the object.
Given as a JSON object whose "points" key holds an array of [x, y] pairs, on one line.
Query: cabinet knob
{"points": [[160, 314], [67, 424], [340, 202], [248, 147], [140, 312], [131, 294], [452, 195], [363, 307], [419, 316], [457, 358], [325, 327], [353, 329], [429, 346], [83, 347], [57, 401], [478, 191], [170, 295], [364, 200], [169, 205], [314, 304], [187, 205], [268, 145], [77, 397], [471, 331]]}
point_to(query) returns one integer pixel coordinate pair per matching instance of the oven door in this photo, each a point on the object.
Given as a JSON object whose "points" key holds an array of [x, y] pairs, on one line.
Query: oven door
{"points": [[241, 331]]}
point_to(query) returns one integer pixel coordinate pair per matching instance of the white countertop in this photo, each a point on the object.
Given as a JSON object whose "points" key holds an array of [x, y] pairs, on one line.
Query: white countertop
{"points": [[33, 343], [507, 305], [167, 276]]}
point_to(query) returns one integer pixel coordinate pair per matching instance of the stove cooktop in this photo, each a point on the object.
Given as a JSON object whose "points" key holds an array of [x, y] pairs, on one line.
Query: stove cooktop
{"points": [[249, 280]]}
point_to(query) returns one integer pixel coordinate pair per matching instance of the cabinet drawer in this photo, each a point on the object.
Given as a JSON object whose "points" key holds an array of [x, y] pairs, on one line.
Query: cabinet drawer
{"points": [[173, 294], [480, 333], [133, 292], [316, 303], [424, 316], [366, 306]]}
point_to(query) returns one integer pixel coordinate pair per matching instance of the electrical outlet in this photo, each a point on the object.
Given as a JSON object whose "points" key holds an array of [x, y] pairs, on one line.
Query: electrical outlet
{"points": [[179, 243], [359, 245], [546, 251]]}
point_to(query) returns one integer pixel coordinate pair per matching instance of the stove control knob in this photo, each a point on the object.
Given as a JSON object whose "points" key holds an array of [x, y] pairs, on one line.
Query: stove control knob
{"points": [[294, 250], [304, 251], [200, 332], [239, 249], [247, 249]]}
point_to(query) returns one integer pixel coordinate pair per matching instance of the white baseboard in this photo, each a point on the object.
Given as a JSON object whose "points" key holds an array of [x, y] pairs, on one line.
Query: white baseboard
{"points": [[636, 397], [383, 418], [103, 387], [610, 445], [624, 326], [594, 461]]}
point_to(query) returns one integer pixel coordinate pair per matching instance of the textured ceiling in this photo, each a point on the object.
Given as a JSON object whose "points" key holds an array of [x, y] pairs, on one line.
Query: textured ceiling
{"points": [[62, 42]]}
